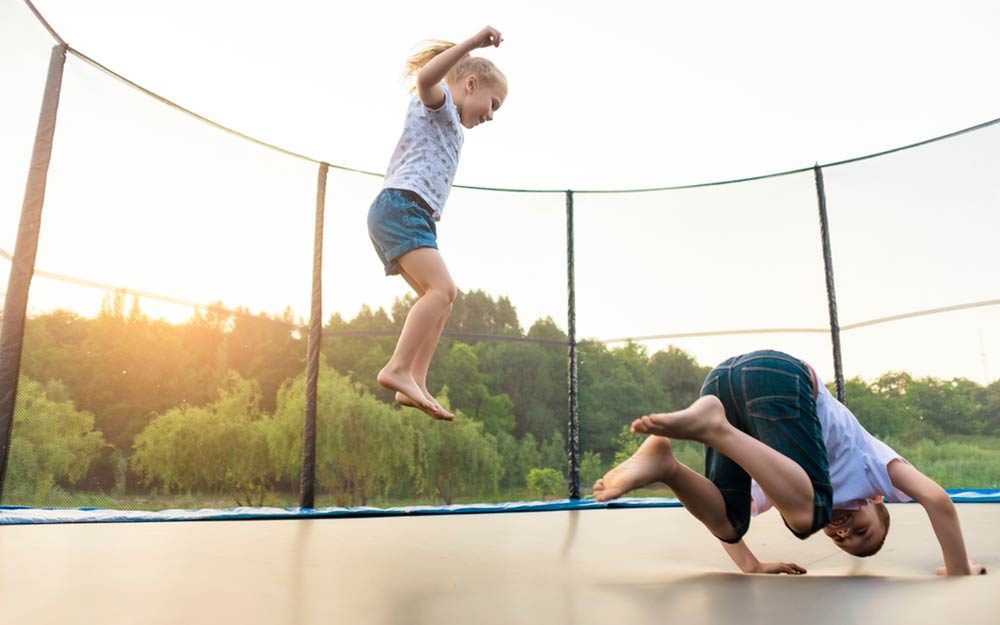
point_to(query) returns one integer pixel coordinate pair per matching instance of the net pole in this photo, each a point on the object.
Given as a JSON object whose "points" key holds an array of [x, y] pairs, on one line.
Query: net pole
{"points": [[573, 438], [22, 265], [831, 291], [307, 487]]}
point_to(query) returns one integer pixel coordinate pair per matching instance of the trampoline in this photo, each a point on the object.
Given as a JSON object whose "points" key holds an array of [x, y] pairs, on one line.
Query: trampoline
{"points": [[571, 561], [580, 566]]}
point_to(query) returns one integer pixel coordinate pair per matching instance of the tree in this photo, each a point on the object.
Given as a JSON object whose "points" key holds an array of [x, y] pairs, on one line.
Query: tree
{"points": [[265, 348], [528, 457], [533, 376], [950, 405], [457, 458], [218, 448], [364, 447], [678, 378], [553, 454], [468, 392], [475, 312], [51, 443], [615, 387], [545, 483], [123, 367], [989, 408], [883, 410], [591, 469], [626, 444]]}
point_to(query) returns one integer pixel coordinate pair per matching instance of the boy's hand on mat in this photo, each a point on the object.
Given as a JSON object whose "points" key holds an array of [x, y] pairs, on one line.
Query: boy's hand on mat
{"points": [[776, 568], [974, 568]]}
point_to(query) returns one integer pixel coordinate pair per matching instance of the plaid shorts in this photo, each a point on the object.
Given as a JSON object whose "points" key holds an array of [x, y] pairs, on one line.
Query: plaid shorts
{"points": [[769, 395]]}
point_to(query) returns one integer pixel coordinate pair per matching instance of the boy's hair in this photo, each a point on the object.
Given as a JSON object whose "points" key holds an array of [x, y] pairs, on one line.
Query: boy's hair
{"points": [[883, 514], [469, 65]]}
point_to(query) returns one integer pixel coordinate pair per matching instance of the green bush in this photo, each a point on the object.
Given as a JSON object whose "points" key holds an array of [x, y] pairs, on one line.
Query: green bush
{"points": [[217, 448], [545, 483], [591, 469], [52, 442]]}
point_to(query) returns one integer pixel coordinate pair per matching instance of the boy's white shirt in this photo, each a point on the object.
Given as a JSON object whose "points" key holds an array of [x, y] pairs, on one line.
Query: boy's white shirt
{"points": [[859, 462], [426, 157]]}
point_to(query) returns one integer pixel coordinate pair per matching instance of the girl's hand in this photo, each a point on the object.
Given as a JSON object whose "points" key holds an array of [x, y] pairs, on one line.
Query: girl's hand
{"points": [[487, 37], [778, 567]]}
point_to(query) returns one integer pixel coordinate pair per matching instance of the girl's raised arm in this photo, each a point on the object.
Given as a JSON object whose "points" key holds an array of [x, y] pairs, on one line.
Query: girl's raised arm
{"points": [[430, 76]]}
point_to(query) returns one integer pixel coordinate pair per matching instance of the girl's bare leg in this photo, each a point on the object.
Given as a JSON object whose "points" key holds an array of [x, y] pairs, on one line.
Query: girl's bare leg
{"points": [[426, 352], [784, 482], [426, 267]]}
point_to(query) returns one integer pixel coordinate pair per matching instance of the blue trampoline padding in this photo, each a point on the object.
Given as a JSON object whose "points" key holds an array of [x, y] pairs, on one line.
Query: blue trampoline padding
{"points": [[21, 515]]}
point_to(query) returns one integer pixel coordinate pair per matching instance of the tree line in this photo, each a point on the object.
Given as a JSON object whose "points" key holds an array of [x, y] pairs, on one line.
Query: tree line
{"points": [[122, 403]]}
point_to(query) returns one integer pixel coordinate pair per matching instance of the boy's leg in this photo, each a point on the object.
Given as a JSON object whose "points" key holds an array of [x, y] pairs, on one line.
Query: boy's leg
{"points": [[654, 461], [425, 266], [425, 354], [649, 464], [781, 478], [704, 500]]}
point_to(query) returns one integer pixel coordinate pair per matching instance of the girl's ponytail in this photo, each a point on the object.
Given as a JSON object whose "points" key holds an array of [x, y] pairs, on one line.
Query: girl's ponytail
{"points": [[479, 66], [431, 49]]}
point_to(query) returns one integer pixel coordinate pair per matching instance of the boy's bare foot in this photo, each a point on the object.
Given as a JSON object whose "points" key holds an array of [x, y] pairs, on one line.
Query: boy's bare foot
{"points": [[403, 382], [404, 400], [654, 461], [697, 422]]}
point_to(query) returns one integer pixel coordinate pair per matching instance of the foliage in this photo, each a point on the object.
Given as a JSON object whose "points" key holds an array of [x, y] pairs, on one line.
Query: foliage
{"points": [[52, 442], [215, 405], [457, 458], [545, 483], [626, 444], [220, 447], [364, 447], [469, 393], [591, 469]]}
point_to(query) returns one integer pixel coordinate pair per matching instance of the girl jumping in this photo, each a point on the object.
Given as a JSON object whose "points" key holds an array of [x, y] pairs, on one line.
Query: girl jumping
{"points": [[453, 90]]}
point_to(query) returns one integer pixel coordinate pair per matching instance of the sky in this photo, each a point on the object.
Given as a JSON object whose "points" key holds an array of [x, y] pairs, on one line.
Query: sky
{"points": [[602, 96]]}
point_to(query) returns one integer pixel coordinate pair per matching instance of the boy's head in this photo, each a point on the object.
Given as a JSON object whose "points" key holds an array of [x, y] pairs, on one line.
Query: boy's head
{"points": [[860, 532]]}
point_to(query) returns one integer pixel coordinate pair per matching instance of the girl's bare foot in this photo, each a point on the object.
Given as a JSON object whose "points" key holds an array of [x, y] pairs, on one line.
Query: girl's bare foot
{"points": [[697, 422], [403, 382], [654, 461], [404, 400]]}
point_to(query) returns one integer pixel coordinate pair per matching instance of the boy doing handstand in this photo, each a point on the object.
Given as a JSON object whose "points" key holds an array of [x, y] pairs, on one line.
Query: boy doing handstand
{"points": [[775, 436]]}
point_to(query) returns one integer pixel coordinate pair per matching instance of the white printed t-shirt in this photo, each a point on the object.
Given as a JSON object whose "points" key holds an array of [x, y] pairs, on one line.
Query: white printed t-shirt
{"points": [[859, 462], [426, 157]]}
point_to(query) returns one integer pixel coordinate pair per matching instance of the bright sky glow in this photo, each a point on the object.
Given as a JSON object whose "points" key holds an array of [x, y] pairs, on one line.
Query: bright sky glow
{"points": [[602, 95]]}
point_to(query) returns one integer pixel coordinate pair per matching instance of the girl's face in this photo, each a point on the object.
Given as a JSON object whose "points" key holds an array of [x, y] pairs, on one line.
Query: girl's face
{"points": [[478, 100]]}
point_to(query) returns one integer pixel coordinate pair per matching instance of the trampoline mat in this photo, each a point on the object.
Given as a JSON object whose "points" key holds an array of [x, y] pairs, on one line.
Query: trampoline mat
{"points": [[582, 566]]}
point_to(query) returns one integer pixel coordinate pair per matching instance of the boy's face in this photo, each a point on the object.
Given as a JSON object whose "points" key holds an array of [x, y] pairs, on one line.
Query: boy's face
{"points": [[855, 531]]}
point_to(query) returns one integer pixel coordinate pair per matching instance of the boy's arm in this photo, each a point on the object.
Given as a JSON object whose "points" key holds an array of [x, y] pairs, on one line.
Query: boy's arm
{"points": [[748, 562], [942, 514], [430, 76]]}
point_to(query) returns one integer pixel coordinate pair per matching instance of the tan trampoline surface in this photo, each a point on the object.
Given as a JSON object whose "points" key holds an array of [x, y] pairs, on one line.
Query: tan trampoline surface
{"points": [[593, 566]]}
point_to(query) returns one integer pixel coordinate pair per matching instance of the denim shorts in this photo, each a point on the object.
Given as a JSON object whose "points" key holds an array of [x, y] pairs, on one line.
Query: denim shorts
{"points": [[399, 221], [769, 395]]}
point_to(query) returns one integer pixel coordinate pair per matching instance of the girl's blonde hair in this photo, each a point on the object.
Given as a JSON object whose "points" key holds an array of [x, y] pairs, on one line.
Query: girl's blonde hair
{"points": [[469, 65]]}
